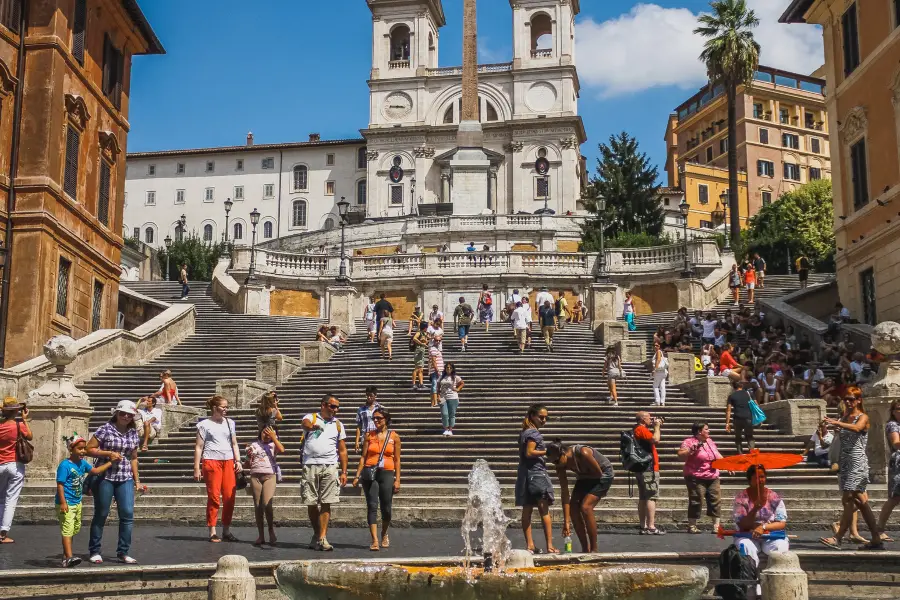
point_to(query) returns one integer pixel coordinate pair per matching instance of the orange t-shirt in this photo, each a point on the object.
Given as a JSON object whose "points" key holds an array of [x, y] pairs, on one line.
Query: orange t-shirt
{"points": [[749, 276], [641, 432], [726, 361], [375, 450]]}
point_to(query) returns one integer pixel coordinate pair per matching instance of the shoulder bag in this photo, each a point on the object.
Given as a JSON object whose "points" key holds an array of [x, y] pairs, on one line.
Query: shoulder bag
{"points": [[275, 467], [758, 417], [24, 448], [240, 478], [369, 473]]}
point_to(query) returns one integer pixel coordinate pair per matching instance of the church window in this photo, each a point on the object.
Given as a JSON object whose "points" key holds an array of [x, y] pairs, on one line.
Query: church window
{"points": [[541, 188], [238, 231], [267, 230], [361, 192], [448, 116], [396, 195], [400, 44], [361, 158], [329, 224], [491, 113], [301, 178], [541, 36], [299, 213], [207, 233]]}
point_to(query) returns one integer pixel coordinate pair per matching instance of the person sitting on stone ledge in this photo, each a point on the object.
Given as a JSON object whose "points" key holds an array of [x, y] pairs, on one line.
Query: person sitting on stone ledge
{"points": [[322, 334], [336, 339], [760, 512], [148, 421], [659, 336], [168, 389], [414, 320], [818, 445]]}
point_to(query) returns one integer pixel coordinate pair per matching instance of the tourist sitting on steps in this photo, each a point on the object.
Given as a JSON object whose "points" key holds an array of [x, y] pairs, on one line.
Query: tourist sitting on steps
{"points": [[148, 421], [414, 320], [533, 485], [322, 334], [336, 339], [593, 478], [818, 445], [168, 389]]}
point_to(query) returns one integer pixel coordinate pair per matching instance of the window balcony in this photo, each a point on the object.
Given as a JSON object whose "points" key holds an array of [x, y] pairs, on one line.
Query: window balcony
{"points": [[542, 53], [399, 64]]}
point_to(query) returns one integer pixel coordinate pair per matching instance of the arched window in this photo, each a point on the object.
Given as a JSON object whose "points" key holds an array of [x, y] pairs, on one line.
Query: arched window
{"points": [[238, 231], [207, 233], [301, 178], [267, 230], [148, 235], [400, 43], [361, 158], [329, 224], [299, 213], [491, 113], [448, 116], [361, 192], [541, 36]]}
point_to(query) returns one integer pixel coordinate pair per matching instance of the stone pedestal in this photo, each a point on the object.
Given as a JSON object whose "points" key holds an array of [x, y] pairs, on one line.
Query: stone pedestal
{"points": [[316, 352], [681, 367], [609, 333], [878, 395], [632, 351], [798, 416], [340, 308], [174, 416], [878, 408], [604, 303], [275, 369], [241, 393], [254, 299], [708, 391], [471, 177], [232, 580], [783, 579]]}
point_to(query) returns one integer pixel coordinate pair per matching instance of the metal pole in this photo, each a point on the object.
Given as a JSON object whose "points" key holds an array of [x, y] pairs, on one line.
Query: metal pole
{"points": [[687, 262], [789, 260], [342, 270], [167, 265], [602, 252], [250, 275]]}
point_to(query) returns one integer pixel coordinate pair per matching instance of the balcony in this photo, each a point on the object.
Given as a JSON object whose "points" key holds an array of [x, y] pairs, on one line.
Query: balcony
{"points": [[399, 64], [489, 68], [542, 53]]}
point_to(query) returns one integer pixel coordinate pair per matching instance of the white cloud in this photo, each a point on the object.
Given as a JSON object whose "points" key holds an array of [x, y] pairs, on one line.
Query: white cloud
{"points": [[651, 46]]}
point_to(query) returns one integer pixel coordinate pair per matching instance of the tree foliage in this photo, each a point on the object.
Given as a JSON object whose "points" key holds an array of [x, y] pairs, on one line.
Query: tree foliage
{"points": [[627, 180], [801, 221], [201, 258]]}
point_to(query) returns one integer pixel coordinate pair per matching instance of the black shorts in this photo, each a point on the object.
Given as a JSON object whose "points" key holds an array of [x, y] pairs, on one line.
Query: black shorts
{"points": [[594, 487], [804, 274]]}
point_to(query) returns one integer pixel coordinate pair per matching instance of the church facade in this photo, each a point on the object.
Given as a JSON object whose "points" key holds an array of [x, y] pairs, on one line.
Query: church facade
{"points": [[528, 110]]}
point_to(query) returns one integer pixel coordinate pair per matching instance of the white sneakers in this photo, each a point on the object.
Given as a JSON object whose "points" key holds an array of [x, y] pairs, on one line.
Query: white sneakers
{"points": [[96, 559], [447, 432]]}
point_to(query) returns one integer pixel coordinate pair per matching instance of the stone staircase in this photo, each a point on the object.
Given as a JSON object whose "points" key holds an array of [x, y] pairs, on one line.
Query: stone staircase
{"points": [[500, 385]]}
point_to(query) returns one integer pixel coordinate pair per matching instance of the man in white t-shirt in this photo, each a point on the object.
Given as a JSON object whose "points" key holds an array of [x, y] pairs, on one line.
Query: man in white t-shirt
{"points": [[435, 314], [818, 446], [543, 296], [148, 421], [813, 376], [320, 481], [519, 319]]}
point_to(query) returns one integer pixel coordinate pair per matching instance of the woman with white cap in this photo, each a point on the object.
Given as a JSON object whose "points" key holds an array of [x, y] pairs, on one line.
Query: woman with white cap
{"points": [[12, 470], [115, 441]]}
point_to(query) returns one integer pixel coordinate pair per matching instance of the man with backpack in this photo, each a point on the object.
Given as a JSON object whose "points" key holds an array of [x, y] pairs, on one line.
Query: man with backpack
{"points": [[802, 266], [462, 318], [647, 435], [562, 310]]}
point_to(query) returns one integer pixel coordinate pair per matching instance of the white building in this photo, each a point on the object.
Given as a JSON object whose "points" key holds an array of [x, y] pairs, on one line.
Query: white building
{"points": [[529, 109]]}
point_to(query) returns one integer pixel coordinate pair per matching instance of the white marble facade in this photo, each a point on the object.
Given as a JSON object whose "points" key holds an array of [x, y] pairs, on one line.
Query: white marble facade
{"points": [[529, 108]]}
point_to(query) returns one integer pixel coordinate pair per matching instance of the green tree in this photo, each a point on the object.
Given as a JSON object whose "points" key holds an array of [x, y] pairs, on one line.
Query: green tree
{"points": [[731, 56], [201, 258], [800, 221], [627, 180]]}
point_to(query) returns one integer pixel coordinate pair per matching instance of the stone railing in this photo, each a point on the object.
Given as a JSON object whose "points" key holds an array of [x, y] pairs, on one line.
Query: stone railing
{"points": [[702, 253], [289, 263], [485, 223], [491, 68], [398, 64]]}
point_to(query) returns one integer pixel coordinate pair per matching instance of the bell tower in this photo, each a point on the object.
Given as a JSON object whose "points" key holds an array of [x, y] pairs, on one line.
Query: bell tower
{"points": [[405, 37], [544, 32]]}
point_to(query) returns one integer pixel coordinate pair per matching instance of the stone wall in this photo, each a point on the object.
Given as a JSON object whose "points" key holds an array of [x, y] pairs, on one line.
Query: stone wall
{"points": [[295, 303], [654, 297], [137, 308]]}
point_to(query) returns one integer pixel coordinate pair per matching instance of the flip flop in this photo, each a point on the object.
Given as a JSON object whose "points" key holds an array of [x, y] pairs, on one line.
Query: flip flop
{"points": [[872, 546], [835, 545]]}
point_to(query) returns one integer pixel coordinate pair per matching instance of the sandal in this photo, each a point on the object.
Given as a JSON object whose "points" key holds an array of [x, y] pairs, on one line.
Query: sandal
{"points": [[858, 539], [385, 542], [693, 529], [831, 542], [374, 547], [215, 539], [144, 449], [886, 538], [872, 546], [229, 537]]}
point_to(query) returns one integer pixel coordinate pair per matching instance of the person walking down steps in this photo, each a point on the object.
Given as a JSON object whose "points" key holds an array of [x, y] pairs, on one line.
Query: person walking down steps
{"points": [[660, 375], [183, 278]]}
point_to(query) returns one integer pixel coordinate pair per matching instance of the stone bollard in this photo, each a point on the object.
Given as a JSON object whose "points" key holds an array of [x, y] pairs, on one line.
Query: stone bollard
{"points": [[232, 580], [783, 579]]}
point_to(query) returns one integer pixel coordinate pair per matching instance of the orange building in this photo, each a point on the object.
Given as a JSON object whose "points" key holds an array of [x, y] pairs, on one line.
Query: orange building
{"points": [[64, 93], [862, 52]]}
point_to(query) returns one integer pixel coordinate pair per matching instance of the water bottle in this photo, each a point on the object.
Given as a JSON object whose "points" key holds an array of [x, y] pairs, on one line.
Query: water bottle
{"points": [[568, 544]]}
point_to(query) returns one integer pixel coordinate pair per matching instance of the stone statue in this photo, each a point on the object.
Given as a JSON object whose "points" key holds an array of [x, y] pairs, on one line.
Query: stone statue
{"points": [[886, 340]]}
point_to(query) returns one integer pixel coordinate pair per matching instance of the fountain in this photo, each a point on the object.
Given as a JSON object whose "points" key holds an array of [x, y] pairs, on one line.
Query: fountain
{"points": [[504, 574]]}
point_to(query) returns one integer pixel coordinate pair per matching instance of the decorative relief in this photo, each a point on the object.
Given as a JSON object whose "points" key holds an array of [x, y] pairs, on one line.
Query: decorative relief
{"points": [[424, 152], [569, 143], [855, 125], [77, 110], [372, 155], [514, 146], [109, 145]]}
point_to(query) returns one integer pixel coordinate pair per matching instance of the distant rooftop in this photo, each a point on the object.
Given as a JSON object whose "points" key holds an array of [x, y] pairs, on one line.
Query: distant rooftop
{"points": [[795, 12], [313, 143]]}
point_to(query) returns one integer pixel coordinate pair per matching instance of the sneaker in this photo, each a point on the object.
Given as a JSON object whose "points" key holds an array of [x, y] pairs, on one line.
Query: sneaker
{"points": [[324, 546], [446, 432], [68, 563], [450, 432], [314, 542], [656, 531], [124, 558], [96, 559]]}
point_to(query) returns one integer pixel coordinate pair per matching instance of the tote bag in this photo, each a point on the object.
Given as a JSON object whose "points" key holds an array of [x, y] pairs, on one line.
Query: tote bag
{"points": [[757, 414]]}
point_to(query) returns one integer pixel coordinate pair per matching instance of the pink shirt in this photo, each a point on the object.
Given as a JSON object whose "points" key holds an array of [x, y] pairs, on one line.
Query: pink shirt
{"points": [[699, 465]]}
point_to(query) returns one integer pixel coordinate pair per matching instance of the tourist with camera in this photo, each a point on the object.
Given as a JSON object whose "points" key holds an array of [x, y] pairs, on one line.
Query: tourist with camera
{"points": [[12, 467], [647, 434]]}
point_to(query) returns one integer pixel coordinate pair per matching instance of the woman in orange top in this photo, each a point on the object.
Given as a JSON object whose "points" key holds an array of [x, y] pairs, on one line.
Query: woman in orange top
{"points": [[728, 366], [750, 283], [380, 479]]}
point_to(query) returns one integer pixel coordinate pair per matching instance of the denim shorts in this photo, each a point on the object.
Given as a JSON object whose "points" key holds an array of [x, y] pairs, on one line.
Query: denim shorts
{"points": [[434, 382], [463, 331]]}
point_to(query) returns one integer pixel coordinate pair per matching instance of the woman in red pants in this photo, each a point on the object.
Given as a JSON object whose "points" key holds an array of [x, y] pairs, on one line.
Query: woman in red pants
{"points": [[215, 462]]}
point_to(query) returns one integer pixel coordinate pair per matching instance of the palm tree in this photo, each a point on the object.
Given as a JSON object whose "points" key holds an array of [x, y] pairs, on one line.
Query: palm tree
{"points": [[731, 56]]}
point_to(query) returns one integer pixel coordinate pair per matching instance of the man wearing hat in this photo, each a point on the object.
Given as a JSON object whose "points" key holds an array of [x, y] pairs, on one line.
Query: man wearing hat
{"points": [[12, 472]]}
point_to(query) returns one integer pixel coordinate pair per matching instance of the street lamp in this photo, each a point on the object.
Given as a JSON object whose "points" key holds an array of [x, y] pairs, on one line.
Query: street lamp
{"points": [[343, 207], [168, 242], [787, 247], [601, 209], [228, 204], [254, 220], [724, 198], [685, 208]]}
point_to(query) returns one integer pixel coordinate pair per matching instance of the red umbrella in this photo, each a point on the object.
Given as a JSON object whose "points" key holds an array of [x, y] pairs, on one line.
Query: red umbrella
{"points": [[769, 460]]}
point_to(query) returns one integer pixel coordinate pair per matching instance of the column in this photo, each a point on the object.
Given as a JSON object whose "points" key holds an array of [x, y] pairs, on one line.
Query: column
{"points": [[445, 186], [493, 201], [340, 307]]}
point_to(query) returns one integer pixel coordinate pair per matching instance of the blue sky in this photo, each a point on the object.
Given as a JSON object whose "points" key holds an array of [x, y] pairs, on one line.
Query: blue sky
{"points": [[286, 68]]}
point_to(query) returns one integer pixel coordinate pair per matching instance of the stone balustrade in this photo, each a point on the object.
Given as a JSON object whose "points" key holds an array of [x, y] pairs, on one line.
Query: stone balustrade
{"points": [[702, 253], [482, 223], [490, 68]]}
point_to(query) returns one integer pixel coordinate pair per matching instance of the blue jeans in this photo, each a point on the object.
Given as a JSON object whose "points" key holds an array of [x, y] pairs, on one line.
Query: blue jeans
{"points": [[185, 290], [448, 412], [104, 492]]}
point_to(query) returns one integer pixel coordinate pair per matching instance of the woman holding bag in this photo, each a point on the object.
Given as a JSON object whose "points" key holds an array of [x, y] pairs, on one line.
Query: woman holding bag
{"points": [[216, 462], [264, 474], [12, 467], [379, 472]]}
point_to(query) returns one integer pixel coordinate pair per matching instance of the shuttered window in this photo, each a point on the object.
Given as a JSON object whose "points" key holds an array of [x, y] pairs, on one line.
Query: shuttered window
{"points": [[113, 72], [70, 178], [103, 194], [860, 174], [62, 286], [850, 31], [78, 26], [10, 14], [97, 307]]}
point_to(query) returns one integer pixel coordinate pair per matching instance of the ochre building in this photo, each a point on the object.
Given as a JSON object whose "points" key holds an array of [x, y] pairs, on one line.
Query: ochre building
{"points": [[65, 70], [862, 67]]}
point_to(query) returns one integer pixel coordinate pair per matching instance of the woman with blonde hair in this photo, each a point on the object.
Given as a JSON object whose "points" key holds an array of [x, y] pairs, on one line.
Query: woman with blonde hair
{"points": [[386, 334], [168, 389], [216, 462]]}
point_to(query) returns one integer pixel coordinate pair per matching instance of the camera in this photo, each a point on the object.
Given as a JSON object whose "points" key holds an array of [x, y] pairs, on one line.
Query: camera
{"points": [[659, 420]]}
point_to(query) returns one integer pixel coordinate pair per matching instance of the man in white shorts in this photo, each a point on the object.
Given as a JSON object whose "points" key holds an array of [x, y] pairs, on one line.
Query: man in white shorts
{"points": [[148, 421], [320, 480]]}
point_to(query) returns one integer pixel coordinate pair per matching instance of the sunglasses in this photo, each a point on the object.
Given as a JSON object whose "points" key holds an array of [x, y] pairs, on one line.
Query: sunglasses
{"points": [[334, 407], [377, 419]]}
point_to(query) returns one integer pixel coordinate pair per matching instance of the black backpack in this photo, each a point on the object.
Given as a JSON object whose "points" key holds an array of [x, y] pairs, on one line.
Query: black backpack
{"points": [[734, 565], [558, 306], [634, 456]]}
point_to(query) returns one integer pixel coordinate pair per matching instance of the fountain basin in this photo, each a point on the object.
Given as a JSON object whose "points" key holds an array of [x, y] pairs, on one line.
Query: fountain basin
{"points": [[358, 580]]}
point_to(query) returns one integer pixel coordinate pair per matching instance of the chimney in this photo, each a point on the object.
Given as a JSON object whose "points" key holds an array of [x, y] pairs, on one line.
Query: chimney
{"points": [[315, 137], [250, 139]]}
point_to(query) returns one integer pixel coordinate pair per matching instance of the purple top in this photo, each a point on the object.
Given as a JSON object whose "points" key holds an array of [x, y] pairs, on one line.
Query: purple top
{"points": [[773, 510], [111, 440]]}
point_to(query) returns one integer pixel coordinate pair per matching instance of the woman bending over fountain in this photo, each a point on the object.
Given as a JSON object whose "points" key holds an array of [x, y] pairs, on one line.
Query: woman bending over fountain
{"points": [[593, 478], [533, 485]]}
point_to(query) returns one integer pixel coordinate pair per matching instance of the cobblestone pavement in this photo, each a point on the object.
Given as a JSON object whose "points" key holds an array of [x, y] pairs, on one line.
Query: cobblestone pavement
{"points": [[38, 546]]}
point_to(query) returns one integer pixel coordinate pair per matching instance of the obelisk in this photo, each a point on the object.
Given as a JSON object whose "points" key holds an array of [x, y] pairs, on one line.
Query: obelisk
{"points": [[470, 166]]}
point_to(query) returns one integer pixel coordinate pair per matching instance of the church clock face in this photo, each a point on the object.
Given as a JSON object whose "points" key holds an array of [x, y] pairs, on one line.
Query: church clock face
{"points": [[397, 106]]}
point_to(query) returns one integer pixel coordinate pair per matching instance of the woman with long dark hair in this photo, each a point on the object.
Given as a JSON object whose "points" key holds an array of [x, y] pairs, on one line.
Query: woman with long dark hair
{"points": [[614, 372], [12, 471], [533, 485], [760, 512], [702, 480], [449, 386], [379, 473]]}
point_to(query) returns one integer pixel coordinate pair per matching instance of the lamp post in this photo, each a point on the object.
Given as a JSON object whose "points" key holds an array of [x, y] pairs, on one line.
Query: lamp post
{"points": [[228, 205], [601, 209], [168, 243], [787, 247], [724, 198], [685, 208], [343, 206], [254, 221]]}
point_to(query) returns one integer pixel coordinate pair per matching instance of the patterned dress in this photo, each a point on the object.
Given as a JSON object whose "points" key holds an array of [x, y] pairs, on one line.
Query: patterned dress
{"points": [[894, 466], [854, 475]]}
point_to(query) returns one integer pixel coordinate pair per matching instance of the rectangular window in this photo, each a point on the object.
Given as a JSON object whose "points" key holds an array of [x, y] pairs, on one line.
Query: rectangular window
{"points": [[815, 173], [789, 140], [329, 160], [179, 169], [541, 188], [151, 198], [784, 116], [361, 158], [867, 286], [792, 171], [896, 13], [210, 195], [766, 198], [763, 135], [239, 164], [361, 192], [723, 146], [758, 110], [70, 178], [765, 168], [810, 119], [210, 166], [703, 193], [815, 145], [62, 287], [709, 154], [78, 25], [103, 193], [329, 188], [860, 174], [267, 163], [268, 190], [97, 307], [850, 32], [179, 196], [151, 170], [113, 72], [238, 192], [10, 14], [706, 224], [396, 195], [136, 233]]}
